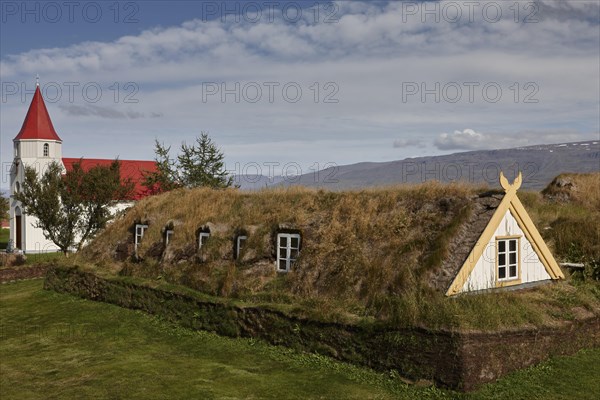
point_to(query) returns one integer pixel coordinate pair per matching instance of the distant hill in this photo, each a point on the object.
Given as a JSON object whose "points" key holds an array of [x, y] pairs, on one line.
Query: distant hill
{"points": [[254, 182], [539, 164]]}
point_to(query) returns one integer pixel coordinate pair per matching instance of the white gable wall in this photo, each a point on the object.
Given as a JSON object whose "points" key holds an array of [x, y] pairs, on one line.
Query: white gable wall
{"points": [[483, 275]]}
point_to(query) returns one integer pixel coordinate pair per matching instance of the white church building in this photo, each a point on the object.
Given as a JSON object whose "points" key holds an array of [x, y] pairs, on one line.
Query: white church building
{"points": [[37, 145]]}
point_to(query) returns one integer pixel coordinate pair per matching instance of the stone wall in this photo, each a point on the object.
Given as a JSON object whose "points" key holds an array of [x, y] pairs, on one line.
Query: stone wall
{"points": [[22, 272], [458, 360]]}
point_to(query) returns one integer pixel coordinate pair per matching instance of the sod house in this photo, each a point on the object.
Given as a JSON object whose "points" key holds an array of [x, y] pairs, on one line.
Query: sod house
{"points": [[359, 245]]}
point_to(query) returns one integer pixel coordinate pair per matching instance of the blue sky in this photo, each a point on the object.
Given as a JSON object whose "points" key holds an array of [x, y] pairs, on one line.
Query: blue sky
{"points": [[305, 83]]}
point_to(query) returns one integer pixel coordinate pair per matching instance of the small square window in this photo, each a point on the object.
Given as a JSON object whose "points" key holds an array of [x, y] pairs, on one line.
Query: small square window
{"points": [[202, 239], [295, 242], [508, 259], [502, 272], [140, 230], [240, 244], [168, 236], [288, 249]]}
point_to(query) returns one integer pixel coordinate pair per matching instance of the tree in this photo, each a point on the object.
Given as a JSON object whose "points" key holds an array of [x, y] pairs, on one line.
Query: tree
{"points": [[72, 207], [4, 206], [165, 177], [200, 164]]}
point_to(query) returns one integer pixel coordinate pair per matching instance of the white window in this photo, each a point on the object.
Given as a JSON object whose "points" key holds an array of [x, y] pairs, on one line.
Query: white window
{"points": [[202, 238], [168, 235], [239, 245], [288, 248], [16, 150], [46, 149], [508, 259], [140, 229]]}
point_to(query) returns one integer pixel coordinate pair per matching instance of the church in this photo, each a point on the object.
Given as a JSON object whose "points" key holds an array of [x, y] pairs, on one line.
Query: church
{"points": [[37, 145]]}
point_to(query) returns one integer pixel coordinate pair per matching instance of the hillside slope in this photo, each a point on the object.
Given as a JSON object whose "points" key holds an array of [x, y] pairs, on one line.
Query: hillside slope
{"points": [[539, 164]]}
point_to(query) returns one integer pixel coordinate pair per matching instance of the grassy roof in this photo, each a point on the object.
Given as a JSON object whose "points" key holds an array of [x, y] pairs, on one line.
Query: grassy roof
{"points": [[386, 254], [355, 244]]}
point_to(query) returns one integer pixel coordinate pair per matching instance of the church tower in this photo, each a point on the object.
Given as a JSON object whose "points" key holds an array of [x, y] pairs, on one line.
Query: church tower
{"points": [[36, 145]]}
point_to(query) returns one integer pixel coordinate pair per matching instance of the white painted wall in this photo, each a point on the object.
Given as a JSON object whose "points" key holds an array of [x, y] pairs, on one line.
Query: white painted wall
{"points": [[483, 275], [31, 153]]}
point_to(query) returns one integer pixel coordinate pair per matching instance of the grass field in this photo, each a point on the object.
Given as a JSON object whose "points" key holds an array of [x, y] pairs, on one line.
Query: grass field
{"points": [[56, 346]]}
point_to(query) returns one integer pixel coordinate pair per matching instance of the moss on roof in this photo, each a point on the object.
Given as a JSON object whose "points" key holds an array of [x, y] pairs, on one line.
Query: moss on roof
{"points": [[355, 244], [387, 254]]}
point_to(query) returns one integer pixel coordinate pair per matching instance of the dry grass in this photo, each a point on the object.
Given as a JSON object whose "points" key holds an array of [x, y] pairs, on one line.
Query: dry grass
{"points": [[581, 189], [568, 217], [366, 255], [357, 246]]}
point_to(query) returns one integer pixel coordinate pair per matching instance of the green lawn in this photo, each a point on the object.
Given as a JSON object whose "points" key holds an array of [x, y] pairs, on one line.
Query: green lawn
{"points": [[55, 346]]}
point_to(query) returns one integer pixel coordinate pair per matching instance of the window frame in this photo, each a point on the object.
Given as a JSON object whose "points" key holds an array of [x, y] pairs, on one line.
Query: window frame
{"points": [[289, 260], [203, 237], [509, 279], [46, 150], [168, 234], [140, 231], [238, 245]]}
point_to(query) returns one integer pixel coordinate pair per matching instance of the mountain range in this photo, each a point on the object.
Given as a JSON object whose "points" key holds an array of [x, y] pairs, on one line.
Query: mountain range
{"points": [[539, 165]]}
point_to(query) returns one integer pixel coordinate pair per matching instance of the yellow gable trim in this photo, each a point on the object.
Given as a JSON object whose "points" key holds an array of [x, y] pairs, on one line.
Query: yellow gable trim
{"points": [[509, 202], [536, 240], [477, 250]]}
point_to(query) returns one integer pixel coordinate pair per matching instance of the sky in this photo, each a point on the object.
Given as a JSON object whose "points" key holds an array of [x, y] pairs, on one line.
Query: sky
{"points": [[306, 84]]}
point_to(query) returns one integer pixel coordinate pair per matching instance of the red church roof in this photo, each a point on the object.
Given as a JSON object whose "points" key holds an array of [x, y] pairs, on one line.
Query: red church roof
{"points": [[37, 124], [132, 169]]}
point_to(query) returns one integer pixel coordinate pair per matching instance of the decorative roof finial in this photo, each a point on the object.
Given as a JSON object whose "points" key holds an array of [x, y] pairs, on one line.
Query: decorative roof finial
{"points": [[37, 80], [514, 186]]}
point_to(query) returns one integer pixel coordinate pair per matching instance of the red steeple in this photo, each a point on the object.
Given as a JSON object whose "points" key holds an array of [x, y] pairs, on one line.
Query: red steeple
{"points": [[37, 124]]}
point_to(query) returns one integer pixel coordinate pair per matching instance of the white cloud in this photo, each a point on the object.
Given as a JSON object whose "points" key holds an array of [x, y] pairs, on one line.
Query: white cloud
{"points": [[369, 54], [102, 112], [466, 139], [401, 143]]}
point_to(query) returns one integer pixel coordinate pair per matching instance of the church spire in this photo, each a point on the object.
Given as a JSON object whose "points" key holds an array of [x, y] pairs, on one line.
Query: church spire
{"points": [[37, 124]]}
